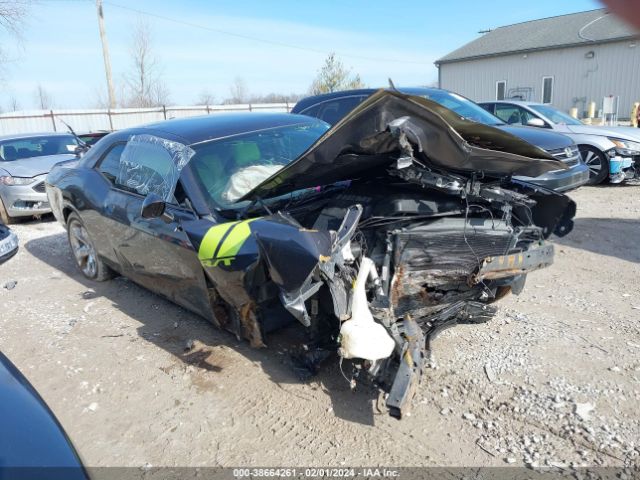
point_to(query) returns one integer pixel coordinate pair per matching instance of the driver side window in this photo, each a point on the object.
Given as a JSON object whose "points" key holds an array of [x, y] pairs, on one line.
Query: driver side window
{"points": [[509, 114], [513, 115], [151, 164], [144, 167], [109, 165]]}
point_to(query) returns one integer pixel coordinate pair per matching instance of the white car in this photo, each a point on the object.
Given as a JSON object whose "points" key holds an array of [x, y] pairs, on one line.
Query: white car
{"points": [[612, 152]]}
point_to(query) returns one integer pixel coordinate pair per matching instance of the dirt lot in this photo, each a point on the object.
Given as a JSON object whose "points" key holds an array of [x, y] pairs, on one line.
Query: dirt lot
{"points": [[554, 379]]}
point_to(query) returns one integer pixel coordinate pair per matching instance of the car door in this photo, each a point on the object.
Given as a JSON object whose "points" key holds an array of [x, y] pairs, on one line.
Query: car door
{"points": [[154, 253]]}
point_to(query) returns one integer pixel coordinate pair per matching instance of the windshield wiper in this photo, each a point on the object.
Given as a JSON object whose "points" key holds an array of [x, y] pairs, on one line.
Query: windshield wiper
{"points": [[80, 142]]}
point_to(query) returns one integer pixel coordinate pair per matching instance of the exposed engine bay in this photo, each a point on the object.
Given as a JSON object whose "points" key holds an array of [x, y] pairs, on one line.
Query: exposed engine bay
{"points": [[377, 263]]}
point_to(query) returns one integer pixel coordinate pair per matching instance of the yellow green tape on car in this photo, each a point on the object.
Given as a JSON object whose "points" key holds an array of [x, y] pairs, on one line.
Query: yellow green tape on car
{"points": [[222, 243]]}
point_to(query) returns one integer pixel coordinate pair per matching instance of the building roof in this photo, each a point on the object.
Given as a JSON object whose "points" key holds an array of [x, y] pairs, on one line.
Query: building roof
{"points": [[565, 30]]}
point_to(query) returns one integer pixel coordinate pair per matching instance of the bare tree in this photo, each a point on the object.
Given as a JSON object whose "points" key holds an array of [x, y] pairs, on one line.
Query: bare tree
{"points": [[276, 98], [239, 92], [14, 106], [44, 100], [12, 14], [334, 76], [99, 98], [145, 87], [206, 98]]}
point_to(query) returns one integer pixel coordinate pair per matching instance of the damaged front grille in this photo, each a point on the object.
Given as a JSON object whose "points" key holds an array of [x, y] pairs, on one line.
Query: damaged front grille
{"points": [[446, 251]]}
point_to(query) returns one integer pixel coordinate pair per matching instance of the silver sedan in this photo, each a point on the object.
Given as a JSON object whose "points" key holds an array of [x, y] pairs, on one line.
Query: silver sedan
{"points": [[611, 153], [25, 161]]}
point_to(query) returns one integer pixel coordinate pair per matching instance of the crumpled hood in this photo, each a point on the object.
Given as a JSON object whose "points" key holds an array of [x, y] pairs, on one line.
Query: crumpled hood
{"points": [[624, 133], [362, 140], [32, 167]]}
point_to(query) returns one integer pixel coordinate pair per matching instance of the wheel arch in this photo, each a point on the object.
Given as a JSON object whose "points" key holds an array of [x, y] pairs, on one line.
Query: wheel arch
{"points": [[68, 209], [593, 145]]}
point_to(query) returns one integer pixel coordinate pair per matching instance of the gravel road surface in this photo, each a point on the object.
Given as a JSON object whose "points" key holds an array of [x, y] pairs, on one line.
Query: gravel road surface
{"points": [[553, 380]]}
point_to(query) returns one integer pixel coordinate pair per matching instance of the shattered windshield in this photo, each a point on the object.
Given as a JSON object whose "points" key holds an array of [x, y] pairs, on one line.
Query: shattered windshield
{"points": [[228, 168]]}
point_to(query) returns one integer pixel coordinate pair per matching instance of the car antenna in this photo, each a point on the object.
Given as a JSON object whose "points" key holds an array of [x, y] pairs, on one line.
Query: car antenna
{"points": [[83, 144], [392, 86]]}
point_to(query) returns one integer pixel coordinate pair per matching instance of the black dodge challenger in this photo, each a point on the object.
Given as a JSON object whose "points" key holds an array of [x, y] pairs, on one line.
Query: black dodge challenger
{"points": [[374, 235]]}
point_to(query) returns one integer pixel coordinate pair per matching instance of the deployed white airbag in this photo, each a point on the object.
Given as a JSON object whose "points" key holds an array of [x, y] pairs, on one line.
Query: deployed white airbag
{"points": [[361, 336], [246, 179]]}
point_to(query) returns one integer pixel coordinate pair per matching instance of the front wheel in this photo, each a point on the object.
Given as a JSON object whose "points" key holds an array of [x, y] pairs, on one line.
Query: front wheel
{"points": [[597, 162], [84, 252]]}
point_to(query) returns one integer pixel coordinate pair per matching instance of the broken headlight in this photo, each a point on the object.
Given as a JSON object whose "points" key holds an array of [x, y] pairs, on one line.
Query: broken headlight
{"points": [[626, 148]]}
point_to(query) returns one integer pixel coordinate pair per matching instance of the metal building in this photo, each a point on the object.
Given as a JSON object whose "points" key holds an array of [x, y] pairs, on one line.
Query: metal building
{"points": [[568, 61]]}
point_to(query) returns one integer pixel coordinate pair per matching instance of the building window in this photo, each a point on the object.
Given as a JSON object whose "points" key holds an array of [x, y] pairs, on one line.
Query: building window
{"points": [[501, 88], [547, 89]]}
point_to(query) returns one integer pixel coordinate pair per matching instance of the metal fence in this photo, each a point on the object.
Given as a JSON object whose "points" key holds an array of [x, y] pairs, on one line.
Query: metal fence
{"points": [[116, 119]]}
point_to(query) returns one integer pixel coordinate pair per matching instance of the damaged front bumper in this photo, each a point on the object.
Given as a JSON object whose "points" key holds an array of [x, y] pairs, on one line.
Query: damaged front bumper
{"points": [[506, 266], [406, 361], [378, 309]]}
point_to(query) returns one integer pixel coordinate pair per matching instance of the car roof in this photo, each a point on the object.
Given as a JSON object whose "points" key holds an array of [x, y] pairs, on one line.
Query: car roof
{"points": [[19, 136], [210, 127], [315, 99], [515, 102]]}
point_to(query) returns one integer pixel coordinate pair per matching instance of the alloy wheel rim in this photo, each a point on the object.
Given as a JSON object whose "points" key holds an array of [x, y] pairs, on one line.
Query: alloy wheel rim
{"points": [[83, 251], [593, 161]]}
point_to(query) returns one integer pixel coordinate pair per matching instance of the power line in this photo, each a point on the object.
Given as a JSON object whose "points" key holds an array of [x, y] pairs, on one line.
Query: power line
{"points": [[257, 39]]}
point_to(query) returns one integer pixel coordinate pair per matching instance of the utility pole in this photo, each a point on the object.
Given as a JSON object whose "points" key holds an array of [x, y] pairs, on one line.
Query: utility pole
{"points": [[105, 54]]}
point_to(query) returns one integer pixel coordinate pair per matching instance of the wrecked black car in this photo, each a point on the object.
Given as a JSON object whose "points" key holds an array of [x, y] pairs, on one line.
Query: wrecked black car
{"points": [[374, 235]]}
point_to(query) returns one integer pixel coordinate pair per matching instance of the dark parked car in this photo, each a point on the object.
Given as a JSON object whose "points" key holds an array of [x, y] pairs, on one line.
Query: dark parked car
{"points": [[331, 107], [8, 243], [374, 235], [33, 444], [90, 138]]}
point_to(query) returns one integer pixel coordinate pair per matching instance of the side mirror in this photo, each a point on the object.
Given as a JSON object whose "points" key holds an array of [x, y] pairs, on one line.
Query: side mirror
{"points": [[155, 207], [536, 122]]}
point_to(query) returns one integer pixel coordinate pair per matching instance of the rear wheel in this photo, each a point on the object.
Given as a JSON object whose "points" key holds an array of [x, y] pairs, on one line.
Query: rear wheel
{"points": [[597, 162], [4, 216], [84, 252]]}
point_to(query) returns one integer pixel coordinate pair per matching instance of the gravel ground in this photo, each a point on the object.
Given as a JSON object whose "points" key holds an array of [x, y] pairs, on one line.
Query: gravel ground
{"points": [[553, 380]]}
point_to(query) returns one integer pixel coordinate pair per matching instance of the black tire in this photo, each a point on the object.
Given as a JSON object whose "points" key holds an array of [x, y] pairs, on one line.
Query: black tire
{"points": [[4, 216], [597, 162], [84, 253]]}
